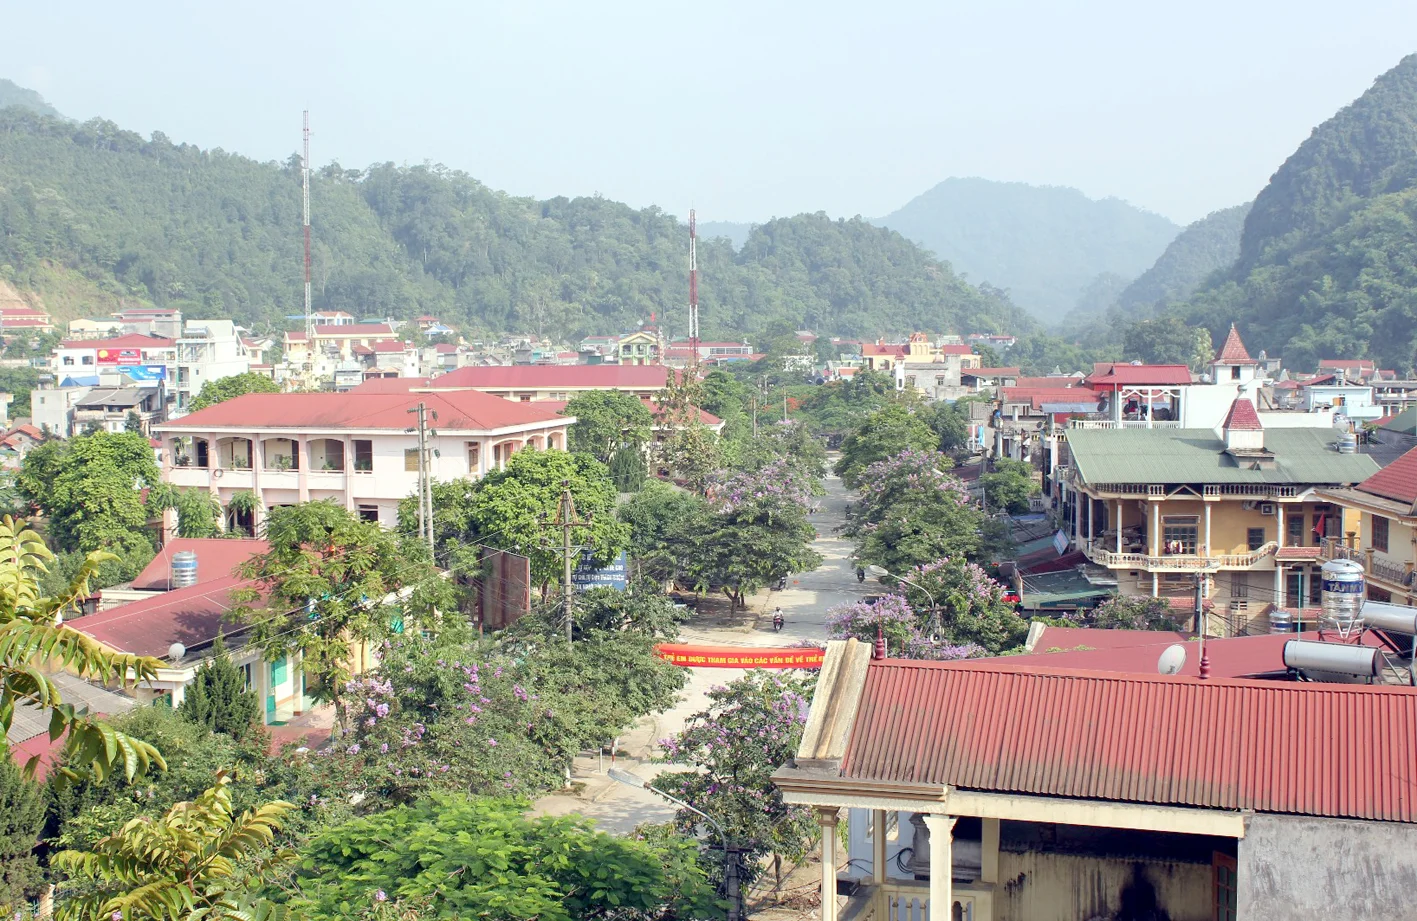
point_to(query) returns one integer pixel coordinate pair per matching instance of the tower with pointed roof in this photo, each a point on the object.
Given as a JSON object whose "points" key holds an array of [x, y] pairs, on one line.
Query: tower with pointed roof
{"points": [[1233, 364]]}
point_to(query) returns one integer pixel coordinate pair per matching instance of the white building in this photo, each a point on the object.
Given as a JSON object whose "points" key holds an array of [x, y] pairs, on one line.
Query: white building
{"points": [[287, 448], [530, 383], [208, 350], [80, 360]]}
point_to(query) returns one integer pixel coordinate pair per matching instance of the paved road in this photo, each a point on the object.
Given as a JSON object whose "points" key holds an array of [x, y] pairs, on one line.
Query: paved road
{"points": [[617, 807]]}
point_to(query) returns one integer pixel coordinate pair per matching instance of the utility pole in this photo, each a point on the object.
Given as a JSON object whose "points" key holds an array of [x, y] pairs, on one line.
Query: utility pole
{"points": [[784, 406], [755, 417], [425, 477], [566, 520]]}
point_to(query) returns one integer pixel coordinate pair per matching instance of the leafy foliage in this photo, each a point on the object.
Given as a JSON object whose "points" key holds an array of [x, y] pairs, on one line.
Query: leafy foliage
{"points": [[466, 858], [751, 728], [1169, 340], [217, 697], [885, 433], [227, 388], [913, 512], [607, 420], [1127, 612], [908, 634], [199, 860], [664, 523], [29, 634], [89, 488], [1009, 486], [1210, 245], [21, 821]]}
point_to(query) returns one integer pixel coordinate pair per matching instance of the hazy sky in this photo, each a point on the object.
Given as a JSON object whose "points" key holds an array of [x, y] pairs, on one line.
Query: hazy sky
{"points": [[744, 109]]}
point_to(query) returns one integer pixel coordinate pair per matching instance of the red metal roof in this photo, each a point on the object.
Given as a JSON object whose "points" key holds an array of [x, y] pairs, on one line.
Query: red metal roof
{"points": [[871, 350], [216, 558], [989, 372], [956, 350], [1108, 375], [548, 377], [355, 329], [462, 410], [1233, 352], [1054, 383], [1102, 638], [190, 616], [390, 345], [1281, 747], [1360, 364], [1242, 417], [130, 341], [390, 385], [23, 322], [1396, 481]]}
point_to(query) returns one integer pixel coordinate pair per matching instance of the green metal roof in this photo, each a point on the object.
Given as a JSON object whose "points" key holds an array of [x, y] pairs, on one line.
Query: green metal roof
{"points": [[1197, 456], [1060, 589]]}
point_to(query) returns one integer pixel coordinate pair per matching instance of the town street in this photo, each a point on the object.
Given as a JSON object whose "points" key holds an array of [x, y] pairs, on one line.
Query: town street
{"points": [[805, 602]]}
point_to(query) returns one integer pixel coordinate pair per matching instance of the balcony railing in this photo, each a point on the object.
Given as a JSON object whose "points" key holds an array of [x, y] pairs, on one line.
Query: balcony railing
{"points": [[1178, 562], [1124, 424], [904, 900], [1377, 567]]}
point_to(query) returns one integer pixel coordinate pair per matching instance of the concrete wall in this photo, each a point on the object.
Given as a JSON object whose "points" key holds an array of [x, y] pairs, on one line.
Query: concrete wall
{"points": [[1310, 869], [1038, 886]]}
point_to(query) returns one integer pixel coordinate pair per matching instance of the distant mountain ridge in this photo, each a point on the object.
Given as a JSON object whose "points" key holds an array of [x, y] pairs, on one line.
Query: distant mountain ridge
{"points": [[1205, 247], [12, 94], [1042, 244], [1328, 258]]}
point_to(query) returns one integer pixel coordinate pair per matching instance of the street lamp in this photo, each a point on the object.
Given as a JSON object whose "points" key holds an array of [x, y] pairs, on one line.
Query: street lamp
{"points": [[730, 856], [880, 572]]}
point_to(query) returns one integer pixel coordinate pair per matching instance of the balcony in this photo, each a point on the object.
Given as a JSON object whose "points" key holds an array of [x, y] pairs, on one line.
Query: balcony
{"points": [[1124, 424], [1376, 567], [907, 900], [1178, 562]]}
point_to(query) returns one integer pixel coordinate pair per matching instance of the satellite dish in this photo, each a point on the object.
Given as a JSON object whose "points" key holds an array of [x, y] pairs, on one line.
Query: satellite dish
{"points": [[1172, 660], [176, 651]]}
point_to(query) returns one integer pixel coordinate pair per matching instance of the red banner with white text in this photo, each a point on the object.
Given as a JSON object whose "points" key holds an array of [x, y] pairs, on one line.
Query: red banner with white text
{"points": [[740, 656]]}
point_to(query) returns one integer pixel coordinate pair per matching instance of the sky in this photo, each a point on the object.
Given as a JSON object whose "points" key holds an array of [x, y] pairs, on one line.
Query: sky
{"points": [[743, 110]]}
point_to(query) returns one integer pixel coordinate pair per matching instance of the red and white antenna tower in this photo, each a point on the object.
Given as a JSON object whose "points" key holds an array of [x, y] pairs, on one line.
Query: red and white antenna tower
{"points": [[693, 295], [305, 202]]}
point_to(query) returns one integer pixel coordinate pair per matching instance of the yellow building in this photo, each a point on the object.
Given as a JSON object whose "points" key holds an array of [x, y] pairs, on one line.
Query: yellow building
{"points": [[1244, 511], [638, 348], [918, 350], [1380, 530]]}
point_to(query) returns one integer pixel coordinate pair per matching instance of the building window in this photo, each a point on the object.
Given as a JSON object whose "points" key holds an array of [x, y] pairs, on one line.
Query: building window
{"points": [[474, 456], [87, 359], [1239, 587], [69, 360], [369, 513], [246, 678], [1254, 538], [1179, 534], [1235, 373], [1379, 540], [1294, 530], [363, 455], [1226, 888], [410, 460]]}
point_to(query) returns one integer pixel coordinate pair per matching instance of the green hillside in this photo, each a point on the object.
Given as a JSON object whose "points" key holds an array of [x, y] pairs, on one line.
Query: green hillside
{"points": [[219, 235], [1328, 258], [1207, 246], [1044, 245]]}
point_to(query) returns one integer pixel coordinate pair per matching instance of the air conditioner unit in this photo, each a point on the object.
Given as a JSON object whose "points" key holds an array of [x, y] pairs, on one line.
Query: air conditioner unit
{"points": [[1266, 508]]}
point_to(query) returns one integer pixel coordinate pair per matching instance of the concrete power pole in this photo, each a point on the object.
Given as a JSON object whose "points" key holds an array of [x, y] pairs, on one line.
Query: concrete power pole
{"points": [[425, 477], [566, 520]]}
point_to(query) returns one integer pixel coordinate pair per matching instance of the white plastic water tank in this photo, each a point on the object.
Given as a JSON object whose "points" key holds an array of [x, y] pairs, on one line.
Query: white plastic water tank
{"points": [[1343, 590], [184, 569]]}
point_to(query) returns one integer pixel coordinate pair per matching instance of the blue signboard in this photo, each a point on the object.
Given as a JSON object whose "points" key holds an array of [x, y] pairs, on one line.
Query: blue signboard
{"points": [[587, 575], [145, 374]]}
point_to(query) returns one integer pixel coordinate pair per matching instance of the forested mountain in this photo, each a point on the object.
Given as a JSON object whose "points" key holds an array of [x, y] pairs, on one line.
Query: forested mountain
{"points": [[734, 231], [1328, 258], [1207, 246], [93, 215], [12, 94], [1042, 244]]}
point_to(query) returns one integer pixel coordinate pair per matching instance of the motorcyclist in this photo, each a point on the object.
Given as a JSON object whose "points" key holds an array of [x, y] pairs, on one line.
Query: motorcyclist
{"points": [[777, 619], [860, 574]]}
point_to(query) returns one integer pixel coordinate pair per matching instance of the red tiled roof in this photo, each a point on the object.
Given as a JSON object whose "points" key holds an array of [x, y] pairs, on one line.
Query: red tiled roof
{"points": [[361, 350], [130, 341], [1291, 554], [1100, 638], [871, 350], [990, 372], [355, 329], [956, 350], [466, 410], [1233, 352], [23, 322], [217, 558], [390, 385], [294, 337], [1294, 748], [1396, 481], [443, 348], [190, 616], [8, 312], [1056, 383], [1107, 375], [1360, 364], [1242, 417], [390, 346], [549, 377]]}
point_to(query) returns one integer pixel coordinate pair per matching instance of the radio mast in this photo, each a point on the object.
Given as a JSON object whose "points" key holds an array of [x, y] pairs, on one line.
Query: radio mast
{"points": [[305, 204], [693, 296]]}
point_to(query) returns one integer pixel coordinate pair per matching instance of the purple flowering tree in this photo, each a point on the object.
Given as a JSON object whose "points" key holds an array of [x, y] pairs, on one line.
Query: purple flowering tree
{"points": [[912, 511], [907, 632], [751, 728]]}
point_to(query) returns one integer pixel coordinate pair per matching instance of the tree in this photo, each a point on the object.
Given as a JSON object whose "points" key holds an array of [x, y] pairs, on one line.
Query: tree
{"points": [[664, 524], [837, 408], [971, 606], [21, 822], [90, 487], [1127, 612], [752, 726], [29, 634], [1009, 486], [133, 423], [217, 697], [757, 532], [1164, 340], [322, 586], [627, 469], [514, 509], [908, 633], [198, 511], [912, 512], [608, 421], [885, 433], [228, 388], [481, 858], [688, 451], [199, 861]]}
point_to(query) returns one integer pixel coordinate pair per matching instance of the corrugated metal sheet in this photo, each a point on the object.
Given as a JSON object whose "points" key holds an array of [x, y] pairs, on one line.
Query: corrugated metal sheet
{"points": [[1306, 749], [1302, 456]]}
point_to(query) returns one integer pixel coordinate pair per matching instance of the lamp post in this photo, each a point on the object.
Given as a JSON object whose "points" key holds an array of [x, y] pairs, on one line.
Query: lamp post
{"points": [[730, 855], [881, 572]]}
